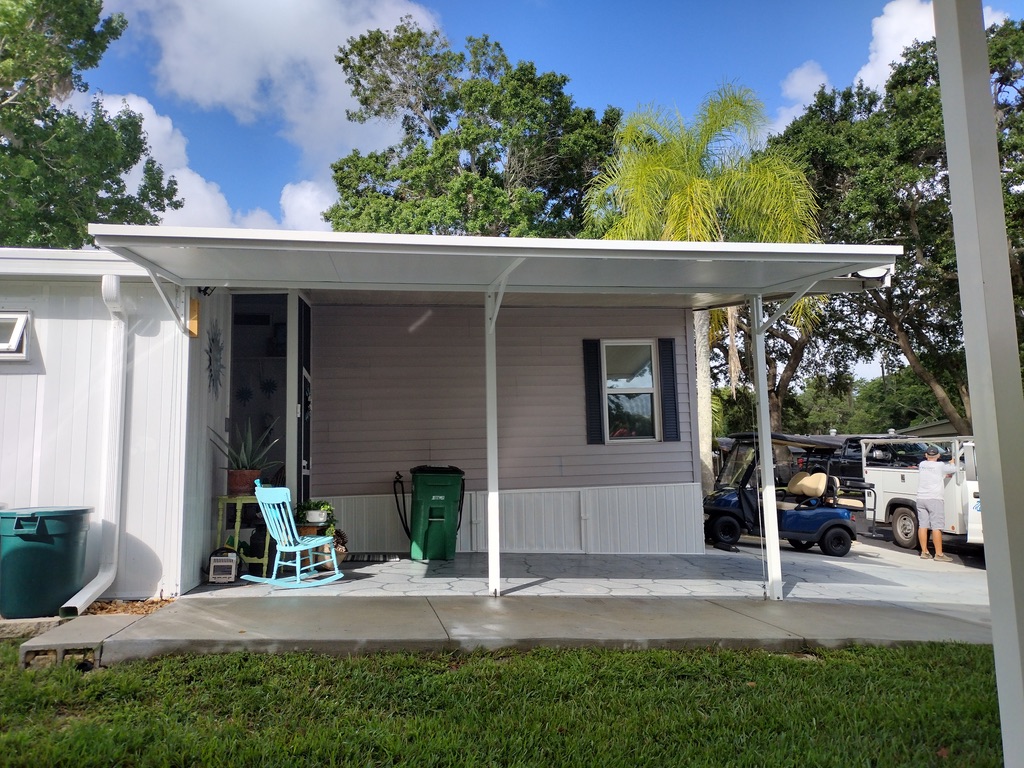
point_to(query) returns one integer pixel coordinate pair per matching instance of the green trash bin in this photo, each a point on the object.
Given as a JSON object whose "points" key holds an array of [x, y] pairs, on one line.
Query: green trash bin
{"points": [[436, 508], [42, 559]]}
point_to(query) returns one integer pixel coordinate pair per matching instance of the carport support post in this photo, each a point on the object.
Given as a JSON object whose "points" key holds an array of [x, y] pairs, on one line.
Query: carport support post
{"points": [[770, 525], [979, 230], [491, 305]]}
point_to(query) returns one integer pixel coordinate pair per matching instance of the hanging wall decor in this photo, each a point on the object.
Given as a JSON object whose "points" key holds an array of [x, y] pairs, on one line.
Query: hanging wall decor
{"points": [[215, 358]]}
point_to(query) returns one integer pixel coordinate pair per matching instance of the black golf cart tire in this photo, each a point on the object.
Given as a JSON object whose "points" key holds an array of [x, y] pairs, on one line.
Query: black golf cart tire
{"points": [[800, 545], [836, 541], [724, 529], [904, 527]]}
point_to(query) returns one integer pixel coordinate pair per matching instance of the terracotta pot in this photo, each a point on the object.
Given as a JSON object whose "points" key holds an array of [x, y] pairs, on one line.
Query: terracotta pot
{"points": [[242, 482]]}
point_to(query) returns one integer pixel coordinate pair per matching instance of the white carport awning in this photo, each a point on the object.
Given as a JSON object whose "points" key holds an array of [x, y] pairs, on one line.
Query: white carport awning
{"points": [[535, 270], [363, 268], [515, 271]]}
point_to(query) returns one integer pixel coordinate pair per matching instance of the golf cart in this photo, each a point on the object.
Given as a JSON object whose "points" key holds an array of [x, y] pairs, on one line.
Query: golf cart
{"points": [[812, 509]]}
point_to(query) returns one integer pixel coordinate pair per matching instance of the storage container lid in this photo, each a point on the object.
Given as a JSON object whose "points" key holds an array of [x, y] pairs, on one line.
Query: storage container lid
{"points": [[45, 511]]}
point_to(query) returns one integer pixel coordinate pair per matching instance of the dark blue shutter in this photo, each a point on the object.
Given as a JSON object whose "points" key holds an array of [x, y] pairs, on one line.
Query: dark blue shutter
{"points": [[593, 391], [669, 391]]}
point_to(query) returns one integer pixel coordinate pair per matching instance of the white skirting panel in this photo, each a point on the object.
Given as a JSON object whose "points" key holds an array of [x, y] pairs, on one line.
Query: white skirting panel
{"points": [[540, 521], [656, 519], [651, 519]]}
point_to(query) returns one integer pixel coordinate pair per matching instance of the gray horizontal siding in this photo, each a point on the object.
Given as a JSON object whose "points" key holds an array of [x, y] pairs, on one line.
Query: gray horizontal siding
{"points": [[396, 387]]}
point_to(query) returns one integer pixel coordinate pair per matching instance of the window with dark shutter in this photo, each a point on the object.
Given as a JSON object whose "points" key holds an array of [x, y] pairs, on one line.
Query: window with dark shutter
{"points": [[623, 401]]}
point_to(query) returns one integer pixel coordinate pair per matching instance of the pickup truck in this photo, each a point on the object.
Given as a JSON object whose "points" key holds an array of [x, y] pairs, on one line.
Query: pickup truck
{"points": [[887, 464], [849, 460]]}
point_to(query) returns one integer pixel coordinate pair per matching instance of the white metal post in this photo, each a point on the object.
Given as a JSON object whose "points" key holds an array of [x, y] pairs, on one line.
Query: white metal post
{"points": [[767, 458], [491, 388], [993, 367]]}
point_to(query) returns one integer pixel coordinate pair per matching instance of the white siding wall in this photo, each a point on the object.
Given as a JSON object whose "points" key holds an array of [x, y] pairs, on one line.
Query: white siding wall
{"points": [[402, 386], [206, 439], [54, 412]]}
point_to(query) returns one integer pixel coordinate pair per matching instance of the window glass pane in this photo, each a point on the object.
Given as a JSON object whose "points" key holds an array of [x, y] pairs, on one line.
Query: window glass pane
{"points": [[629, 366], [7, 326], [12, 334], [631, 416]]}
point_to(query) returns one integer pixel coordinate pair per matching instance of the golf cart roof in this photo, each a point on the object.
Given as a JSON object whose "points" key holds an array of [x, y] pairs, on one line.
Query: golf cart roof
{"points": [[827, 442]]}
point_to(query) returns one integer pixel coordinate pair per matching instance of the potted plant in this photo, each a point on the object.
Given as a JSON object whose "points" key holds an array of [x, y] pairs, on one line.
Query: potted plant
{"points": [[315, 513], [247, 458]]}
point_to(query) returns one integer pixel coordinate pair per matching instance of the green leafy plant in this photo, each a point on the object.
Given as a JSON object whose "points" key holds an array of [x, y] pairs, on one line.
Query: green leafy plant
{"points": [[302, 509], [247, 452]]}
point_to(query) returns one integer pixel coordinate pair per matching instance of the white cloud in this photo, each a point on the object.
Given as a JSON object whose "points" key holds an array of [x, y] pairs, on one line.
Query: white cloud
{"points": [[205, 203], [302, 204], [901, 24], [803, 82], [261, 61], [268, 61], [799, 87]]}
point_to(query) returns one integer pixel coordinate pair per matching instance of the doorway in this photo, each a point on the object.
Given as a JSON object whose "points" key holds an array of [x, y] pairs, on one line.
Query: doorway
{"points": [[259, 368]]}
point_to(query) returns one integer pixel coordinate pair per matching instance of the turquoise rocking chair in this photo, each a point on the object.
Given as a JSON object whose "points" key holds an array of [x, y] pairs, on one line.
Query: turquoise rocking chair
{"points": [[301, 553]]}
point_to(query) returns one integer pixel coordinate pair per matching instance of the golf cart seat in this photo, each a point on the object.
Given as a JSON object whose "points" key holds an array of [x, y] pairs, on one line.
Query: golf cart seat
{"points": [[802, 488], [855, 495]]}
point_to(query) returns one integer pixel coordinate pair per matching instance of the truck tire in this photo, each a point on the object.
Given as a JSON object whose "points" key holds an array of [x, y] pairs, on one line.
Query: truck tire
{"points": [[836, 541], [724, 529], [904, 527]]}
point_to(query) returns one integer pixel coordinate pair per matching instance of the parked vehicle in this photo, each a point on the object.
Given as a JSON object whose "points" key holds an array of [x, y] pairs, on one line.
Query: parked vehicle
{"points": [[811, 509], [890, 465], [849, 460]]}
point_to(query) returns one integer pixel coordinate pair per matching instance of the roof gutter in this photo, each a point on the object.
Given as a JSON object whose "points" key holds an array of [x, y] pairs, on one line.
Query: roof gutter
{"points": [[113, 452]]}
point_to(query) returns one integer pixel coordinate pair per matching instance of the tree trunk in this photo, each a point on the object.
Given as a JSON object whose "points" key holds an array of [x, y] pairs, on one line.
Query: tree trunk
{"points": [[701, 329], [958, 422]]}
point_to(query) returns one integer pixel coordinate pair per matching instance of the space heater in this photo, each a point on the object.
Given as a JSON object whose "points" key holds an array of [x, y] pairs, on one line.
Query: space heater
{"points": [[223, 568]]}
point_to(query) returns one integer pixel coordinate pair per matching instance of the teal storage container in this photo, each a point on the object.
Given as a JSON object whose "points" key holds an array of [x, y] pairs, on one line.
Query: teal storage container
{"points": [[436, 508], [42, 559]]}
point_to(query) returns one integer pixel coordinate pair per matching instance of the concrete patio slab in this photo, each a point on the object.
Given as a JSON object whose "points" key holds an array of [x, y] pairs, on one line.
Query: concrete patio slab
{"points": [[874, 596]]}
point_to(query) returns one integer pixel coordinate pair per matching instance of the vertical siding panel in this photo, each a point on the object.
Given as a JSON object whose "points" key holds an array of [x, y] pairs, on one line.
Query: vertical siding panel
{"points": [[17, 431]]}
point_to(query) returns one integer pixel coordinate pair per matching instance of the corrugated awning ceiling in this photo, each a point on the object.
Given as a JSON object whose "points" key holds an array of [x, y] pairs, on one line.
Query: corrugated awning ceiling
{"points": [[684, 274]]}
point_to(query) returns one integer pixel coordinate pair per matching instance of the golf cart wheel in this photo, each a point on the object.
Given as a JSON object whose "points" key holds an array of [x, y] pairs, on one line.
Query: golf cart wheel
{"points": [[904, 527], [799, 545], [724, 530], [836, 542]]}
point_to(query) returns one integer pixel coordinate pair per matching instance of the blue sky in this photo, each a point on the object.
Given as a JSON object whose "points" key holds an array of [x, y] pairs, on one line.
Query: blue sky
{"points": [[245, 105]]}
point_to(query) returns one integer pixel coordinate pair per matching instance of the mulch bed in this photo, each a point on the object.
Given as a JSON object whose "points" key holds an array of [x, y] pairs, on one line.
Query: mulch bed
{"points": [[132, 607]]}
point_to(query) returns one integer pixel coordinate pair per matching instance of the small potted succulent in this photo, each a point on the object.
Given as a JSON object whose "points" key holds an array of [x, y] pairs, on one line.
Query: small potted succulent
{"points": [[247, 458]]}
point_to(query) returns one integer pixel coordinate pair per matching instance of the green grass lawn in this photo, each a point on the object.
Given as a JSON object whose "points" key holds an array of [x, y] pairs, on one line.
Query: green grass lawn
{"points": [[919, 705]]}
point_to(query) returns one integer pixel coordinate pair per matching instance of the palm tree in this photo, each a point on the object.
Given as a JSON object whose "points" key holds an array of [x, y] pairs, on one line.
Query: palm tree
{"points": [[703, 182]]}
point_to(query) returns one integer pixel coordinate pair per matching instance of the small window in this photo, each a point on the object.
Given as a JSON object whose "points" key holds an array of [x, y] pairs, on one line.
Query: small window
{"points": [[629, 390], [14, 335]]}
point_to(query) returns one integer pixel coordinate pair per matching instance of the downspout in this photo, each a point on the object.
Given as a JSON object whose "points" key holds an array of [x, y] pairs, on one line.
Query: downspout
{"points": [[113, 452]]}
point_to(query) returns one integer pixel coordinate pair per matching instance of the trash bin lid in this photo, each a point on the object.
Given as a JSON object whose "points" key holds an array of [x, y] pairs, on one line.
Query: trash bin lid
{"points": [[45, 511], [426, 469]]}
